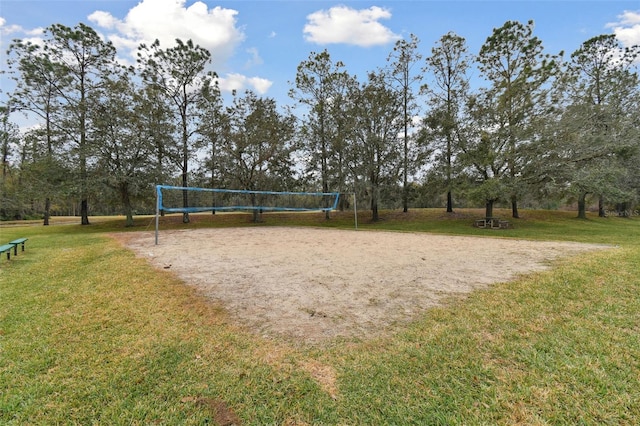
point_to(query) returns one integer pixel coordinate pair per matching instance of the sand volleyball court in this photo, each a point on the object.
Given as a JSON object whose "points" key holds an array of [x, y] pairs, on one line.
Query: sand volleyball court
{"points": [[318, 284]]}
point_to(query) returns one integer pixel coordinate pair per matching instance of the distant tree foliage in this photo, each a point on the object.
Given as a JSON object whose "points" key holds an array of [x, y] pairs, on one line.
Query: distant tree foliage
{"points": [[449, 65], [321, 87], [403, 62], [509, 125], [177, 74], [599, 118], [257, 145], [376, 141], [66, 73], [513, 62]]}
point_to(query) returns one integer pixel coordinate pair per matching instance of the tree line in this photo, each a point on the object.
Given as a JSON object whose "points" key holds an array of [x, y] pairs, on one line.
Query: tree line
{"points": [[538, 130]]}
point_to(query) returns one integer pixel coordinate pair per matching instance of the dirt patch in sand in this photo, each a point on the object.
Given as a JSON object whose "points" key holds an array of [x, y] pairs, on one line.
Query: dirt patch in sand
{"points": [[318, 284]]}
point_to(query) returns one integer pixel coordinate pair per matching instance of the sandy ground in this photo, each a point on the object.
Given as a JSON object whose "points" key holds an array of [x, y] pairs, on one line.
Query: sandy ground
{"points": [[318, 284]]}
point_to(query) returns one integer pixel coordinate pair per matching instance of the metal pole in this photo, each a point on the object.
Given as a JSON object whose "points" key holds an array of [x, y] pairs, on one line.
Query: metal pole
{"points": [[157, 212], [355, 210]]}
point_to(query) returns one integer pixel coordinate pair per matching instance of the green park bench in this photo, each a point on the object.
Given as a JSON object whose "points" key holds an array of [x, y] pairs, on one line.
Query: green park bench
{"points": [[12, 246], [7, 249], [16, 243]]}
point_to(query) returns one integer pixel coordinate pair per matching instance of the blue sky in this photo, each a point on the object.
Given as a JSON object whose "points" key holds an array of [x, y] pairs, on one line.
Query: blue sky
{"points": [[258, 45]]}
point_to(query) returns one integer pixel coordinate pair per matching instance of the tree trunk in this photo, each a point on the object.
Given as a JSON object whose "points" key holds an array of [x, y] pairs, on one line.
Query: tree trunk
{"points": [[375, 216], [185, 198], [582, 209], [185, 163], [601, 210], [449, 157], [324, 160], [47, 210], [405, 182], [256, 214], [84, 203], [84, 177], [489, 209], [325, 188], [84, 212], [213, 202], [213, 196], [126, 204], [374, 203], [514, 207]]}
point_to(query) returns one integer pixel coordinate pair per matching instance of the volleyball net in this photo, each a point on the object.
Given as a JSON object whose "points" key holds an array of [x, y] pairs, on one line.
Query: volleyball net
{"points": [[178, 199]]}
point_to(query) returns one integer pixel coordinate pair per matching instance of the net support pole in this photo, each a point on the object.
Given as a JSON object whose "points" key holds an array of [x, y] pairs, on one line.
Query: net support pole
{"points": [[157, 212], [355, 210]]}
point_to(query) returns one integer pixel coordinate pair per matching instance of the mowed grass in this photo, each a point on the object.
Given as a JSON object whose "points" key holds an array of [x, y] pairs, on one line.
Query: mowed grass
{"points": [[90, 334]]}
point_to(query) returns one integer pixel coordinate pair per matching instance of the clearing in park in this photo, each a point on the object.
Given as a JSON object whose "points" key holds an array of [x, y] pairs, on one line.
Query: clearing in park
{"points": [[314, 285]]}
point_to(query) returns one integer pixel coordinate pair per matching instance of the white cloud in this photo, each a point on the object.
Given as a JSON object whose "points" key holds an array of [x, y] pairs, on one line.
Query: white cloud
{"points": [[103, 19], [213, 29], [260, 85], [36, 32], [10, 29], [4, 29], [34, 35], [17, 29], [627, 29], [342, 24], [240, 83], [254, 58]]}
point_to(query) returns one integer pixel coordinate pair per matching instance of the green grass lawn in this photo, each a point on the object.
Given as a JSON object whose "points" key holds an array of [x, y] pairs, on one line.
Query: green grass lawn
{"points": [[89, 334]]}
